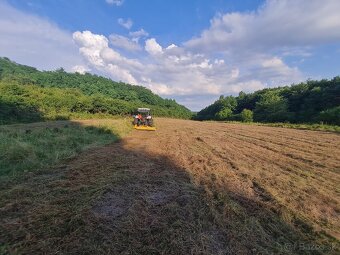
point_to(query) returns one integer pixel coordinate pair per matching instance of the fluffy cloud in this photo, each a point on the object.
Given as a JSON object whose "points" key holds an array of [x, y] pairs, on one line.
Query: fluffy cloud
{"points": [[95, 49], [136, 35], [115, 2], [124, 43], [34, 41], [152, 47], [91, 46], [80, 69], [176, 72], [275, 25], [125, 23], [169, 71]]}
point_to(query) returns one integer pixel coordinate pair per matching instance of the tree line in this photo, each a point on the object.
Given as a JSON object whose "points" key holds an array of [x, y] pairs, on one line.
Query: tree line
{"points": [[307, 102], [27, 94]]}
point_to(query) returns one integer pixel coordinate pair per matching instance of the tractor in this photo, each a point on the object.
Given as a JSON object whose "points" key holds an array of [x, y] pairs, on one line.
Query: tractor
{"points": [[143, 120]]}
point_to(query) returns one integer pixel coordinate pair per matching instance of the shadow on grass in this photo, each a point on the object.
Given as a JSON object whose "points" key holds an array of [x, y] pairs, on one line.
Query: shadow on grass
{"points": [[18, 113], [37, 146], [114, 200]]}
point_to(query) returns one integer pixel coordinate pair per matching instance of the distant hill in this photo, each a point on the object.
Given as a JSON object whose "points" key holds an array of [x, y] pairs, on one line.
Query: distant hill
{"points": [[307, 102], [27, 94]]}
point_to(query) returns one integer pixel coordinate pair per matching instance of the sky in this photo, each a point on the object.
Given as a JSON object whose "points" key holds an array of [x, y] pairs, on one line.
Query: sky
{"points": [[192, 51]]}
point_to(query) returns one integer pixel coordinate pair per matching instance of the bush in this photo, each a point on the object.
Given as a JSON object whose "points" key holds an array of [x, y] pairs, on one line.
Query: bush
{"points": [[224, 114], [246, 115], [330, 116]]}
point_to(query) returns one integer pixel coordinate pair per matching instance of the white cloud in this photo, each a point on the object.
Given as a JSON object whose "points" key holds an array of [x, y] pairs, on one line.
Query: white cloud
{"points": [[31, 40], [121, 74], [124, 43], [165, 73], [91, 46], [115, 2], [234, 73], [174, 71], [152, 47], [125, 23], [139, 33], [171, 46], [80, 69], [95, 49], [136, 35], [277, 24], [272, 63]]}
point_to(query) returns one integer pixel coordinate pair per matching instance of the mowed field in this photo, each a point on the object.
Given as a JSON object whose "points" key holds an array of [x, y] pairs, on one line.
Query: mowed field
{"points": [[188, 188]]}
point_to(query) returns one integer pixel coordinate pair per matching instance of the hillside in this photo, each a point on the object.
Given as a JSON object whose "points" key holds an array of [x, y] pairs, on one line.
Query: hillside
{"points": [[28, 94], [307, 102]]}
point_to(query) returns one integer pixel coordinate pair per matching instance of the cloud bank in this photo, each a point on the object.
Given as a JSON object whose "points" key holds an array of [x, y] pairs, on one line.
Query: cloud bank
{"points": [[278, 24], [34, 41]]}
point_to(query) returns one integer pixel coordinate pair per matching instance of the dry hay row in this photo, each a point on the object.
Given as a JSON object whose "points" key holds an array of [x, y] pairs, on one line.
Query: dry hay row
{"points": [[254, 152], [290, 161], [289, 143], [306, 137]]}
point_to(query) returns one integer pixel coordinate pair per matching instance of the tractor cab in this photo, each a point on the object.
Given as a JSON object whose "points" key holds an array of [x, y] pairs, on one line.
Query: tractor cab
{"points": [[143, 120]]}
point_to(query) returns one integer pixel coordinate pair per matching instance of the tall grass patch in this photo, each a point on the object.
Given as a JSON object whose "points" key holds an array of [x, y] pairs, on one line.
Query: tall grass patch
{"points": [[32, 147]]}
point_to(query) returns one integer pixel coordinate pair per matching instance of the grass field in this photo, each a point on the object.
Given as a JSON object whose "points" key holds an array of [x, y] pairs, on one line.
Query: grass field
{"points": [[32, 147], [188, 188]]}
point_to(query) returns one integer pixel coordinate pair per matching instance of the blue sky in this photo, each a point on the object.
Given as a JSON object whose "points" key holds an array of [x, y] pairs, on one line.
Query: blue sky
{"points": [[192, 51], [170, 21]]}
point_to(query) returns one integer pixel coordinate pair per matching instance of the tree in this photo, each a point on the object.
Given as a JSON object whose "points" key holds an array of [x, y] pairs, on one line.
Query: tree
{"points": [[331, 116], [224, 114], [229, 102], [246, 115], [271, 108]]}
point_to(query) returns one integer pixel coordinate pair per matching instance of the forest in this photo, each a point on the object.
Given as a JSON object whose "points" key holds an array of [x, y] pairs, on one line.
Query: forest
{"points": [[307, 102], [28, 95]]}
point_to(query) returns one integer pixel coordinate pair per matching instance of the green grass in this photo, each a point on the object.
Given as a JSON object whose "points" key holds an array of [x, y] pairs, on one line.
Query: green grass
{"points": [[51, 116], [33, 147]]}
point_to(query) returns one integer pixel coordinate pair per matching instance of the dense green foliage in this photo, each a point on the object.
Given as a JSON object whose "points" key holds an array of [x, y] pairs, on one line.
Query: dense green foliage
{"points": [[27, 95], [246, 115], [307, 102]]}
